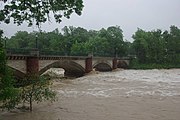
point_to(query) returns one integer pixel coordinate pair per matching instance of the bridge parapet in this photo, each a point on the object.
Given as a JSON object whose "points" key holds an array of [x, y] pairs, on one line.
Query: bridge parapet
{"points": [[22, 52]]}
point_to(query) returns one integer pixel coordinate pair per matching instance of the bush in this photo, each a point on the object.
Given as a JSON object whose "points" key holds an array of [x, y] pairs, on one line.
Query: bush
{"points": [[38, 90]]}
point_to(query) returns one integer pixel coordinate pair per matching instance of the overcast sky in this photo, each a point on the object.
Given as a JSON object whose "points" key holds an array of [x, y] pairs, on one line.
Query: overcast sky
{"points": [[128, 14]]}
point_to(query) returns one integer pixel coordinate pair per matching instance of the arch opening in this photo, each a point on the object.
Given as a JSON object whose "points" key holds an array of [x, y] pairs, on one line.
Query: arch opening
{"points": [[71, 69], [122, 64], [18, 76], [16, 73], [103, 67]]}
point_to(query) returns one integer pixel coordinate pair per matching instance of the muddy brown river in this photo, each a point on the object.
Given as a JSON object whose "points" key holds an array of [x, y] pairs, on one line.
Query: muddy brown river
{"points": [[118, 95]]}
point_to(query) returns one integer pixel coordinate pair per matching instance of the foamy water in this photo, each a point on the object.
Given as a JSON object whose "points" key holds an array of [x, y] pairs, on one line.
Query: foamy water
{"points": [[126, 83]]}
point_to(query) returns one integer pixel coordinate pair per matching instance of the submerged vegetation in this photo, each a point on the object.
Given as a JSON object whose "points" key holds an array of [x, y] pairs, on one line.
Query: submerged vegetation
{"points": [[8, 93], [34, 89]]}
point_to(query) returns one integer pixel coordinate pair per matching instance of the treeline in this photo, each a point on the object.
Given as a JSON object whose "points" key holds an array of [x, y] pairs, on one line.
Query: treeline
{"points": [[73, 41], [151, 48], [157, 49]]}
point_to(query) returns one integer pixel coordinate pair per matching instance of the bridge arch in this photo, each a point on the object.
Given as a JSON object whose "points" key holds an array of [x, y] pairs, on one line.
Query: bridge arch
{"points": [[17, 73], [102, 66], [71, 68], [122, 64]]}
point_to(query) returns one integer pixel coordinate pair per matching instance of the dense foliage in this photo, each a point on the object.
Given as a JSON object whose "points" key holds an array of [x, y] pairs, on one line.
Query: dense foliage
{"points": [[37, 90], [32, 90], [73, 41], [38, 11], [158, 47], [8, 93]]}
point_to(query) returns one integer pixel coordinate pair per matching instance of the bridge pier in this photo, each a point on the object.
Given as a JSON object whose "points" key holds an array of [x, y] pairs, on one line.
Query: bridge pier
{"points": [[115, 63], [89, 66], [32, 66]]}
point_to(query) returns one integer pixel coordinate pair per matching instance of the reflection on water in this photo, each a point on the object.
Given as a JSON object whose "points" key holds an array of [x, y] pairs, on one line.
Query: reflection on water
{"points": [[125, 94]]}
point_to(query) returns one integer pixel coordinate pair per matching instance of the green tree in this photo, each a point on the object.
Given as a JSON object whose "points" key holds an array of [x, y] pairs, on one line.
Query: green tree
{"points": [[114, 38], [158, 47], [20, 40], [56, 40], [79, 35], [8, 93], [98, 46], [68, 39], [79, 49], [149, 46], [37, 90], [105, 42], [38, 10], [140, 45], [129, 49], [173, 45]]}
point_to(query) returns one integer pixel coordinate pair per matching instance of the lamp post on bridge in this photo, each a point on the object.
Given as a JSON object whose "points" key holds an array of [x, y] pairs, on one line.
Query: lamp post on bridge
{"points": [[35, 52], [116, 52], [5, 42], [36, 42]]}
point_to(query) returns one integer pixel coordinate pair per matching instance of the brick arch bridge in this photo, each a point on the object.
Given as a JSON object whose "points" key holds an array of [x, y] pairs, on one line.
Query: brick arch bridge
{"points": [[77, 66]]}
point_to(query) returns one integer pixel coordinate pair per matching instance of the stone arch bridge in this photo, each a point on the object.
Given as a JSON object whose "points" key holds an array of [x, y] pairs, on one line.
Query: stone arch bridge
{"points": [[76, 66]]}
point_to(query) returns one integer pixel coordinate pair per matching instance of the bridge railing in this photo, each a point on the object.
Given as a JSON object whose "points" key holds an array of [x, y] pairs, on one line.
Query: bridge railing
{"points": [[27, 52], [15, 51], [51, 53], [36, 52]]}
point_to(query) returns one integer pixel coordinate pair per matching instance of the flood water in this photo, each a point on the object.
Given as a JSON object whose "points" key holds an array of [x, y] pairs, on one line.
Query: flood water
{"points": [[118, 95]]}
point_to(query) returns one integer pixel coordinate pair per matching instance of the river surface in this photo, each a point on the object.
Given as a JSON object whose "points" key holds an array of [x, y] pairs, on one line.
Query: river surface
{"points": [[118, 95]]}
